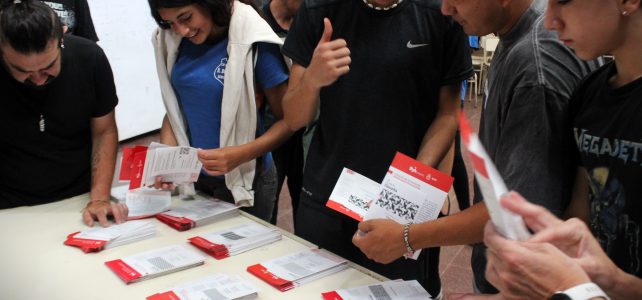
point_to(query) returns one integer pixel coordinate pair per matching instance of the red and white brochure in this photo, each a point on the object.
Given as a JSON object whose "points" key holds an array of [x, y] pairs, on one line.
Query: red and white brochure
{"points": [[127, 162], [389, 290], [287, 272], [141, 165], [197, 213], [217, 286], [234, 240], [411, 192], [99, 238], [352, 194], [491, 185], [155, 263]]}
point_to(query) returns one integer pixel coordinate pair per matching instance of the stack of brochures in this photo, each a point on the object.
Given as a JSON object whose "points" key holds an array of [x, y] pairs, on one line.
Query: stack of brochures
{"points": [[218, 286], [155, 263], [234, 240], [290, 271], [142, 202], [99, 238], [197, 213], [389, 290]]}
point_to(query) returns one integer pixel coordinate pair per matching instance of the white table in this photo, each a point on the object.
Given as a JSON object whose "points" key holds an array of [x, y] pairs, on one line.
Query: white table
{"points": [[36, 265]]}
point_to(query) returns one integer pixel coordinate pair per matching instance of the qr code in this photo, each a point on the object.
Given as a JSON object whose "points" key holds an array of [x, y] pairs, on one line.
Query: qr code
{"points": [[160, 263], [358, 202], [184, 151], [397, 205], [232, 236], [379, 292]]}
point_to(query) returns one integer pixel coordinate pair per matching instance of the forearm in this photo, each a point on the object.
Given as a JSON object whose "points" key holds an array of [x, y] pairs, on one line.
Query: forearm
{"points": [[441, 134], [301, 101], [270, 140], [466, 227], [579, 205], [622, 286], [167, 134], [103, 160]]}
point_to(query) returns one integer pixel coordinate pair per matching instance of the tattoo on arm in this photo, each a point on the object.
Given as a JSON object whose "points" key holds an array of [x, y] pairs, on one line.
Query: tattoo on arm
{"points": [[95, 161]]}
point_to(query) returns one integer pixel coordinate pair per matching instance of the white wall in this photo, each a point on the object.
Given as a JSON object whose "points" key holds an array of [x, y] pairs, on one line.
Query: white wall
{"points": [[124, 28]]}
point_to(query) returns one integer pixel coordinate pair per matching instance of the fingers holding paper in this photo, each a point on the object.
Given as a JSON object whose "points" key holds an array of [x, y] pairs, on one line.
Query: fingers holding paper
{"points": [[163, 185], [523, 269], [100, 210], [220, 161], [380, 240]]}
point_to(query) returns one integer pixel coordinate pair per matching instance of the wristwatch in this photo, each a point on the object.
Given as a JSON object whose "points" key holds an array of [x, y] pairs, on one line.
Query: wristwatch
{"points": [[584, 291]]}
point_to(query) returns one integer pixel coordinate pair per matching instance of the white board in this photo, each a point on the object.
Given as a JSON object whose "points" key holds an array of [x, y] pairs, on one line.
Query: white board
{"points": [[124, 28]]}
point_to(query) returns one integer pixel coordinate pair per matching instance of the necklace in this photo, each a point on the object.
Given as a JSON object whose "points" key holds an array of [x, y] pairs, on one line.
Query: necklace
{"points": [[382, 8], [41, 123]]}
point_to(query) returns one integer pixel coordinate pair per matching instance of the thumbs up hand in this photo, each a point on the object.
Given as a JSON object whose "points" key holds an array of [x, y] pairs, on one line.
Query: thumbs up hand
{"points": [[330, 60]]}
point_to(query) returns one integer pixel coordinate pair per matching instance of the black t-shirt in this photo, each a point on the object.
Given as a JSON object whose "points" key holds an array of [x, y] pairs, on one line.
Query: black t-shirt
{"points": [[76, 15], [400, 60], [269, 18], [607, 124], [39, 167]]}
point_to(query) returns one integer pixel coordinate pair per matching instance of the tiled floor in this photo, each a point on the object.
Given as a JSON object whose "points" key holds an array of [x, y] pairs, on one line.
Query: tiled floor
{"points": [[456, 275]]}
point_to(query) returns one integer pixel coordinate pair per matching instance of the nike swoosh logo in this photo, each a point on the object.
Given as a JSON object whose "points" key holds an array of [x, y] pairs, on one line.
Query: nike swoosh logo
{"points": [[410, 45]]}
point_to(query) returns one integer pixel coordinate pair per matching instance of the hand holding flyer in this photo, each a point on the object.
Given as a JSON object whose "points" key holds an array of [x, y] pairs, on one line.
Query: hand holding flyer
{"points": [[141, 165], [492, 186]]}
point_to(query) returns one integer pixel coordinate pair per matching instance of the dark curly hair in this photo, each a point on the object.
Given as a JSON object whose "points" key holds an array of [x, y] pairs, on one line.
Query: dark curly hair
{"points": [[28, 25], [220, 10]]}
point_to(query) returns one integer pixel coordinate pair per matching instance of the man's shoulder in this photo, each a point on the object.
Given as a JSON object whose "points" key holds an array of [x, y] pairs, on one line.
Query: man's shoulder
{"points": [[82, 50], [80, 44], [431, 5], [324, 3]]}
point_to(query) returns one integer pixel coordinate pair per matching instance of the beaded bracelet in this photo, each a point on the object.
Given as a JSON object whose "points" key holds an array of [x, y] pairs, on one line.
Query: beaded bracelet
{"points": [[406, 229]]}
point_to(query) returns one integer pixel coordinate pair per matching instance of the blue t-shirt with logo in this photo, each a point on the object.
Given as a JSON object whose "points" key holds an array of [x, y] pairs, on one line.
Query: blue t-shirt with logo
{"points": [[198, 78]]}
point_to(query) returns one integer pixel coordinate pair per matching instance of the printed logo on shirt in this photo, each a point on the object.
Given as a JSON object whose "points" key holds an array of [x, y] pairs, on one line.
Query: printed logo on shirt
{"points": [[410, 45], [219, 72], [627, 151], [66, 14]]}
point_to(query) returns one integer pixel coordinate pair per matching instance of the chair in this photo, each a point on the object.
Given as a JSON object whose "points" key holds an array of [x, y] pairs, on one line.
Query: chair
{"points": [[489, 44], [478, 60], [473, 88]]}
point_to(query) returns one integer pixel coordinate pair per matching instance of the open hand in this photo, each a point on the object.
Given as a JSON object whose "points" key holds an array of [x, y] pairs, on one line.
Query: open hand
{"points": [[100, 209]]}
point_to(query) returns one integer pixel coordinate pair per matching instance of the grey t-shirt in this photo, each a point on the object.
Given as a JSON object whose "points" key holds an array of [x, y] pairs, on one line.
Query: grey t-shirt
{"points": [[525, 123]]}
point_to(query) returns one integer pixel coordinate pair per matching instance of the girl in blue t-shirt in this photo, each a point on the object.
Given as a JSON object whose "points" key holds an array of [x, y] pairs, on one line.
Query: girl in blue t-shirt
{"points": [[193, 54]]}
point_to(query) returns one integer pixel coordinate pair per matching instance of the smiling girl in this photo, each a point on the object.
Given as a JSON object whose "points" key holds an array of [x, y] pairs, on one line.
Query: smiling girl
{"points": [[209, 54]]}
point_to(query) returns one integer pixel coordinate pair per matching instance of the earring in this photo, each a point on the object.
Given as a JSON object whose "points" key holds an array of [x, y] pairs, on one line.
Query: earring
{"points": [[625, 13]]}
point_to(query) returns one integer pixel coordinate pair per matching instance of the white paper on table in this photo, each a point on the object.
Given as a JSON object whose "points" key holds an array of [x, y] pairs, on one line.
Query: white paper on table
{"points": [[114, 231], [144, 202], [492, 186], [163, 259], [175, 164], [198, 209], [302, 264], [411, 192], [237, 234], [388, 290], [352, 194], [217, 286]]}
